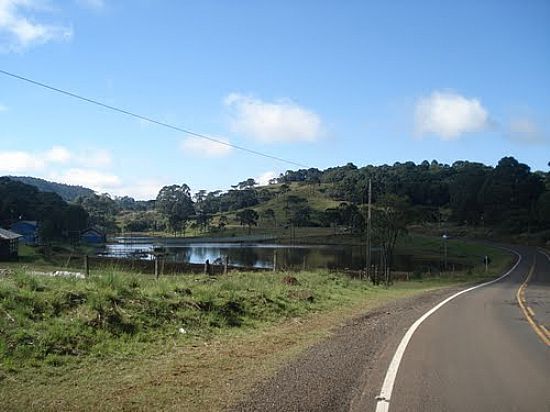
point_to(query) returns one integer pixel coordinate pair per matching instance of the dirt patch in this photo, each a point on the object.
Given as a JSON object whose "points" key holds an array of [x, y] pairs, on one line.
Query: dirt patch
{"points": [[290, 280]]}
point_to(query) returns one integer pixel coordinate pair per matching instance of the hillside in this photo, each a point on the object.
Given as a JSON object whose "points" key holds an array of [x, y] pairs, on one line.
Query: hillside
{"points": [[67, 192], [464, 193]]}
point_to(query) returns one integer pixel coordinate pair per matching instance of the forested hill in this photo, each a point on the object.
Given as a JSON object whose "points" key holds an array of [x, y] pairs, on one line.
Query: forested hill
{"points": [[57, 220], [67, 192], [510, 194], [509, 197]]}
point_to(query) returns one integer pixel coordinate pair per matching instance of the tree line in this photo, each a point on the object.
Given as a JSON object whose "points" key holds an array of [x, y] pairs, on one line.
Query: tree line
{"points": [[509, 196], [58, 219]]}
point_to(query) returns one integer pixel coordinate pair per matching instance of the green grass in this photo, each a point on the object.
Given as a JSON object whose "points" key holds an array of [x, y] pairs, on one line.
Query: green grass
{"points": [[465, 253], [113, 341], [47, 320], [55, 321]]}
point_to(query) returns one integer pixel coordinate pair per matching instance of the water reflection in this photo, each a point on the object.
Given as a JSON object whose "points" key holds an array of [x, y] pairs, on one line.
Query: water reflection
{"points": [[259, 255]]}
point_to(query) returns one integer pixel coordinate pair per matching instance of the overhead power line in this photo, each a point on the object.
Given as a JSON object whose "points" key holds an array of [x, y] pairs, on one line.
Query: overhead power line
{"points": [[148, 119]]}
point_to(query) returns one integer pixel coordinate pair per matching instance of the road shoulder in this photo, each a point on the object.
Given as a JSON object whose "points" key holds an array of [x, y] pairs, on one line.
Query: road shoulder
{"points": [[344, 371]]}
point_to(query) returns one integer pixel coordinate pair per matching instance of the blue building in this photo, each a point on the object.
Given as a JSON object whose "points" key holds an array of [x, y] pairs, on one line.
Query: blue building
{"points": [[92, 236], [28, 229]]}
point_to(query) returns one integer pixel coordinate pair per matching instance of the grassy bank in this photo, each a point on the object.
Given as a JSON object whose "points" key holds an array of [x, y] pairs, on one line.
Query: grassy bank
{"points": [[55, 321], [125, 341]]}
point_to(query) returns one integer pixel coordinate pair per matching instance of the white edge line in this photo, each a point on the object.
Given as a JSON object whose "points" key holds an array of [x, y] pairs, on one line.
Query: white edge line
{"points": [[383, 400], [544, 253]]}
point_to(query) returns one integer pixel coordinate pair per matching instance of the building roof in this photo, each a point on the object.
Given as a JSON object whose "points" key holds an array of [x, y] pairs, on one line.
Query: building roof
{"points": [[92, 230], [8, 235], [26, 222]]}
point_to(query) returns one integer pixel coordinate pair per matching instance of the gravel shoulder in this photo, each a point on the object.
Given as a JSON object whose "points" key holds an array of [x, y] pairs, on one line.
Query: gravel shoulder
{"points": [[345, 371]]}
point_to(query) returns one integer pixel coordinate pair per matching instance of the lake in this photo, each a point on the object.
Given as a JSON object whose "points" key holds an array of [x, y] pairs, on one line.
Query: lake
{"points": [[255, 254]]}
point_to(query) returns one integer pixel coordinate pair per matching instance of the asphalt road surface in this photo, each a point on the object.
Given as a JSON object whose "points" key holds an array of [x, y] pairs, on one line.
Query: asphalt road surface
{"points": [[481, 351], [477, 352]]}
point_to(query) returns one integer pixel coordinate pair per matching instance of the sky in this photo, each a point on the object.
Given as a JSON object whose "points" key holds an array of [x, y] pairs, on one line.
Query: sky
{"points": [[319, 83]]}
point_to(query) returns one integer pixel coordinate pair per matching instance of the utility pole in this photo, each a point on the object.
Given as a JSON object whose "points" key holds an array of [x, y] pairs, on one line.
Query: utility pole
{"points": [[445, 250], [369, 219]]}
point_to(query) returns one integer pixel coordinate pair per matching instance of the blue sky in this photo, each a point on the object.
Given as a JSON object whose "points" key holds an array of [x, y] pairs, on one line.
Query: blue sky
{"points": [[321, 83]]}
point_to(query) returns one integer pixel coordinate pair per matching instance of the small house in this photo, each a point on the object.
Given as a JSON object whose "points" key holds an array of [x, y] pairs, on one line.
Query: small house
{"points": [[28, 229], [92, 236], [9, 244]]}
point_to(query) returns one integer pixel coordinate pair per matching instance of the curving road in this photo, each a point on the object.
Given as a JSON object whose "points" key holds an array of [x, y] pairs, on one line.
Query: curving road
{"points": [[481, 351], [477, 352]]}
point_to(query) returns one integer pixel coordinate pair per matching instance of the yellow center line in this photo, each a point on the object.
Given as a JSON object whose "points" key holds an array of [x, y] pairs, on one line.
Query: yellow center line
{"points": [[540, 330]]}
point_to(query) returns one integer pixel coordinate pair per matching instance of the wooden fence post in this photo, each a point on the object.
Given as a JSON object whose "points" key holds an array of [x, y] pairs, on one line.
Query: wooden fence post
{"points": [[156, 267], [86, 266], [225, 265], [274, 260]]}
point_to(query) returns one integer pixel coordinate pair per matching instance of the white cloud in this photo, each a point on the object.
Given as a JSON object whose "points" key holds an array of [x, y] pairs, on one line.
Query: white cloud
{"points": [[272, 122], [525, 130], [57, 154], [82, 168], [141, 190], [264, 178], [19, 28], [206, 148], [96, 158], [449, 115], [94, 179], [18, 161]]}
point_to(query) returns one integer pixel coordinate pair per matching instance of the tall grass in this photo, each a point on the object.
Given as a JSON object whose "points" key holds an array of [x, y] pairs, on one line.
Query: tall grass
{"points": [[58, 320]]}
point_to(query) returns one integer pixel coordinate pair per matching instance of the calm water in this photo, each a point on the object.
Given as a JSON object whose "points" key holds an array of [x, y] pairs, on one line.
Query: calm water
{"points": [[259, 255]]}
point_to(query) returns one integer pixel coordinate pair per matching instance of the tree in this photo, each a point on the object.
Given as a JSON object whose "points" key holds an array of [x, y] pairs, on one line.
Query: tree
{"points": [[200, 197], [350, 216], [284, 189], [248, 217], [222, 222], [126, 203], [464, 189], [269, 214], [246, 184], [102, 210], [509, 194], [543, 209], [57, 220], [75, 221], [203, 220], [390, 219], [238, 199], [175, 203], [297, 211]]}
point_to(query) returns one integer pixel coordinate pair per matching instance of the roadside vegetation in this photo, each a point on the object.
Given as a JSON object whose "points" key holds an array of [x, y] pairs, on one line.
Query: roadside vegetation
{"points": [[123, 340], [53, 320]]}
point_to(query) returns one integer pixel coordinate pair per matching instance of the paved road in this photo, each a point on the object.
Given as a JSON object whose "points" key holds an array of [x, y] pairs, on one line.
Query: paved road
{"points": [[478, 352]]}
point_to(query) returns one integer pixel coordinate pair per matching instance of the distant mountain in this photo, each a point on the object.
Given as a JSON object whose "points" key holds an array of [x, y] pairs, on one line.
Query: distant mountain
{"points": [[67, 192]]}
